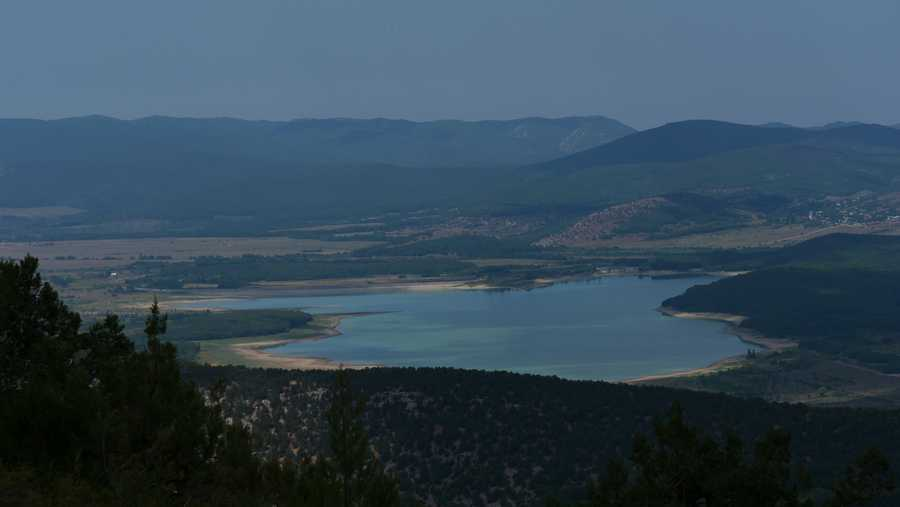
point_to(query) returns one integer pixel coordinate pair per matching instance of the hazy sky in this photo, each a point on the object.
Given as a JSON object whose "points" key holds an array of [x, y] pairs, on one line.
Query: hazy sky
{"points": [[643, 62]]}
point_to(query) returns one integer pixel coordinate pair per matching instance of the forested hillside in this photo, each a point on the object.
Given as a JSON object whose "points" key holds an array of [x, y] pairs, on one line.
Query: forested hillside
{"points": [[476, 438], [87, 419], [838, 295]]}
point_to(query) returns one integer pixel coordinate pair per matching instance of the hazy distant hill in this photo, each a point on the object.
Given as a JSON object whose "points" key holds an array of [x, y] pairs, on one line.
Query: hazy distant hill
{"points": [[675, 142], [269, 173], [695, 139], [446, 143], [181, 168], [775, 125], [831, 125], [711, 155], [838, 124]]}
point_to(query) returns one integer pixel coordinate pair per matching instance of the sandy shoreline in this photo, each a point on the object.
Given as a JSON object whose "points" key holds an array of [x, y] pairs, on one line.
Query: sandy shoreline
{"points": [[207, 299], [256, 354], [734, 321], [771, 345], [212, 299]]}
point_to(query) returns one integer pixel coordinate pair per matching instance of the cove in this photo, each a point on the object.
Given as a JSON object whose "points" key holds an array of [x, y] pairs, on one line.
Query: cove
{"points": [[603, 329]]}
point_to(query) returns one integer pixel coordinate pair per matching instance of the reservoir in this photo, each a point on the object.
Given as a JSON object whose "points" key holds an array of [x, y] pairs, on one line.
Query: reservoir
{"points": [[603, 329]]}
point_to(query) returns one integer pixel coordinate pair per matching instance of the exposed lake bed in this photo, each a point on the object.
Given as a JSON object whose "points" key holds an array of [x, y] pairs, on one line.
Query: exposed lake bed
{"points": [[603, 329]]}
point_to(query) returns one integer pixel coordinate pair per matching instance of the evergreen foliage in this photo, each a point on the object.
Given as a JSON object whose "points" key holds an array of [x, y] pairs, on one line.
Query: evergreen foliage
{"points": [[681, 466], [87, 420]]}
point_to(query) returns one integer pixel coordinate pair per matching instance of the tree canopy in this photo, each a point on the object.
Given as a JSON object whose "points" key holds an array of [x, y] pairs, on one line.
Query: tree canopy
{"points": [[88, 420]]}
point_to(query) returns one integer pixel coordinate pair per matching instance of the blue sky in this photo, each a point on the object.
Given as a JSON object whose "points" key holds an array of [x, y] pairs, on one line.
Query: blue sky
{"points": [[644, 62]]}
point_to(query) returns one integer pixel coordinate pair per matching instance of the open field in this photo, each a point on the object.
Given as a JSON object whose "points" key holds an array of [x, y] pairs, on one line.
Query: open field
{"points": [[42, 212], [490, 262], [332, 227], [744, 237], [93, 274], [111, 253]]}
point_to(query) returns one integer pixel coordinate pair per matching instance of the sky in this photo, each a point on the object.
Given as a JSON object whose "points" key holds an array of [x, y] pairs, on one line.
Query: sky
{"points": [[642, 62]]}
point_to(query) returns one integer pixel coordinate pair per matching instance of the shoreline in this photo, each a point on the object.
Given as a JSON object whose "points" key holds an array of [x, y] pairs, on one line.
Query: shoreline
{"points": [[734, 321], [177, 299], [255, 353], [186, 300], [749, 336]]}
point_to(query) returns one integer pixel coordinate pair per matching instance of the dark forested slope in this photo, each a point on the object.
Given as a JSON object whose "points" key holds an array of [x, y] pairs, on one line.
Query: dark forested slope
{"points": [[88, 419], [464, 437], [839, 294]]}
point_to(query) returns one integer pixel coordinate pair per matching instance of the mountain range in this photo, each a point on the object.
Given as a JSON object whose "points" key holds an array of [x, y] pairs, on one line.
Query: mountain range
{"points": [[445, 143], [276, 173]]}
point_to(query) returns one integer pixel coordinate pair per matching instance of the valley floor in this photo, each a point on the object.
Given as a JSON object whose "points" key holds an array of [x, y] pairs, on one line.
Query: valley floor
{"points": [[92, 275]]}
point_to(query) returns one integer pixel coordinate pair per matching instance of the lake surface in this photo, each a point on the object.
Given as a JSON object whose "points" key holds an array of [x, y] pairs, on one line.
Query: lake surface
{"points": [[605, 329]]}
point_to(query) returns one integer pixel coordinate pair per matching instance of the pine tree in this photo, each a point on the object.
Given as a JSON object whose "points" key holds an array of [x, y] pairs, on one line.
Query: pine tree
{"points": [[361, 479]]}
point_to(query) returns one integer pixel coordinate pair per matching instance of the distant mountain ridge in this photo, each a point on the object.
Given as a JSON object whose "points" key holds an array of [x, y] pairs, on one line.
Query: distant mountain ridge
{"points": [[694, 139], [442, 143], [830, 125], [193, 171], [838, 124]]}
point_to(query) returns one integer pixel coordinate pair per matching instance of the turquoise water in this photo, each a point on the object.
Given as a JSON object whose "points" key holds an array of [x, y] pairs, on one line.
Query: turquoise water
{"points": [[607, 329]]}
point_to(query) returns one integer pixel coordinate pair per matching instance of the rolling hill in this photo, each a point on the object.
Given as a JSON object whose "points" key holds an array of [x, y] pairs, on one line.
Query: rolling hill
{"points": [[675, 142], [234, 176], [256, 174], [698, 139], [99, 140], [708, 156], [836, 295]]}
